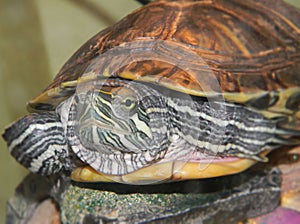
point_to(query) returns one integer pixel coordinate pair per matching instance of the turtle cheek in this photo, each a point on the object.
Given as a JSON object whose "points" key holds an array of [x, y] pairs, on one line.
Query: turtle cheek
{"points": [[112, 135]]}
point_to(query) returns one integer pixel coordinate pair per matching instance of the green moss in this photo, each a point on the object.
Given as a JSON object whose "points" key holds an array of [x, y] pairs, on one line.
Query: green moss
{"points": [[80, 202]]}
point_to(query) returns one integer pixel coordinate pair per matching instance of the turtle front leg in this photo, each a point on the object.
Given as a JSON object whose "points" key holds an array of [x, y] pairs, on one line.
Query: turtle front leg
{"points": [[38, 142]]}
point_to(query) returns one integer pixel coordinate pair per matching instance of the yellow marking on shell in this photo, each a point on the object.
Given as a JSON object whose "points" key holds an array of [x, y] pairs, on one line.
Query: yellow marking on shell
{"points": [[86, 77], [106, 73], [168, 171], [88, 174], [104, 92], [233, 97], [233, 37], [276, 110], [50, 96], [284, 95], [270, 115], [269, 51], [279, 109], [285, 20], [242, 97], [281, 17], [69, 84]]}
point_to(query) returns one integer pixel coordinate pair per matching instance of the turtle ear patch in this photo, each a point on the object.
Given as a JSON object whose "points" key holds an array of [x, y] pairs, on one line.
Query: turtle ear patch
{"points": [[37, 141]]}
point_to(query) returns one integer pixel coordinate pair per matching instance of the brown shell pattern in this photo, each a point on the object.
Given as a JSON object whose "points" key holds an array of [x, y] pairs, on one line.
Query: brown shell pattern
{"points": [[252, 50]]}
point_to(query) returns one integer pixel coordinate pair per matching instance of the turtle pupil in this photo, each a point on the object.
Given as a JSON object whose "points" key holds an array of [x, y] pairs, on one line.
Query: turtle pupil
{"points": [[128, 103]]}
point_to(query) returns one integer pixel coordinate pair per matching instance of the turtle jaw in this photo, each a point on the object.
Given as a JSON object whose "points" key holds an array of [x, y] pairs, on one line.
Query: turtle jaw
{"points": [[168, 171]]}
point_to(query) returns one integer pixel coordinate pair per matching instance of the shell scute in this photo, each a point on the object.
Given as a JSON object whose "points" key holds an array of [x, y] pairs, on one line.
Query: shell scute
{"points": [[249, 48]]}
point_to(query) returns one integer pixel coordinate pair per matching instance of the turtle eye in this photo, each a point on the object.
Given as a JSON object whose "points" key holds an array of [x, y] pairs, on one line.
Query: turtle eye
{"points": [[124, 104], [128, 106], [129, 103]]}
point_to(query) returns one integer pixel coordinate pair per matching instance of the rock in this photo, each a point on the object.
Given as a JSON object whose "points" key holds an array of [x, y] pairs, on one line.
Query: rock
{"points": [[225, 199]]}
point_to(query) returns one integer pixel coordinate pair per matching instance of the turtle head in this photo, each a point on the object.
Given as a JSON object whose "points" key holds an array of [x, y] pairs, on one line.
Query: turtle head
{"points": [[119, 126]]}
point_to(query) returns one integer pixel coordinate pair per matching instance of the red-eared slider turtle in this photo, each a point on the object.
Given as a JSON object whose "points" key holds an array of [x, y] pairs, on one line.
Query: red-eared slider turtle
{"points": [[176, 90]]}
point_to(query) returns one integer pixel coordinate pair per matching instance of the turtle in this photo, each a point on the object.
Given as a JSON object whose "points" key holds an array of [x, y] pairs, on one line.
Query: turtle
{"points": [[176, 90]]}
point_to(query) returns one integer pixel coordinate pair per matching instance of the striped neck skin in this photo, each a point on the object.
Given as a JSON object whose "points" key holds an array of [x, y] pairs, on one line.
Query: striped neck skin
{"points": [[119, 126], [214, 130]]}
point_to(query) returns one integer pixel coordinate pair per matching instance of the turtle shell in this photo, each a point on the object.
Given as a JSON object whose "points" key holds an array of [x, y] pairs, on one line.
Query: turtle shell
{"points": [[245, 51]]}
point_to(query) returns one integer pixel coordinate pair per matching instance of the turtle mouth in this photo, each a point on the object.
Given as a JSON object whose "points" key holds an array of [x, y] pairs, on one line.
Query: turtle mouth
{"points": [[164, 171]]}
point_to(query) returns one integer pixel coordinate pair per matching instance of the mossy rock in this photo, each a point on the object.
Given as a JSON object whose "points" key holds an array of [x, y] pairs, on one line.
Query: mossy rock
{"points": [[227, 199]]}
